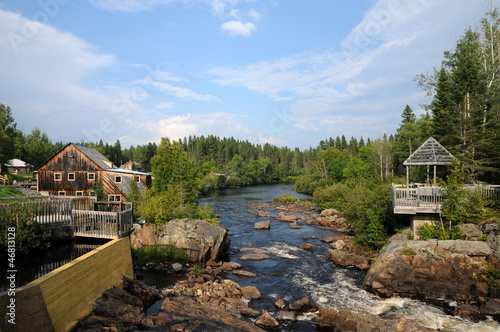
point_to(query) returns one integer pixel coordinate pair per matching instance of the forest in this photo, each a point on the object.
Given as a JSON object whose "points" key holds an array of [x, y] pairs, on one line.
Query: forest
{"points": [[352, 175]]}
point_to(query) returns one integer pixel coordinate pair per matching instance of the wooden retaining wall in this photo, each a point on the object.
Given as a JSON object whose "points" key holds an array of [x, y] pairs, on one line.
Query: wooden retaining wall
{"points": [[70, 291]]}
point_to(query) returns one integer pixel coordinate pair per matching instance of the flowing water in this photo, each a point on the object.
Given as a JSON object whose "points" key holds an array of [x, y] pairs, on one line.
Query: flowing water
{"points": [[293, 273]]}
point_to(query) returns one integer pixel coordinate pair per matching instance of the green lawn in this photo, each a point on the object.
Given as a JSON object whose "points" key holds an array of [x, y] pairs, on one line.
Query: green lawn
{"points": [[9, 192]]}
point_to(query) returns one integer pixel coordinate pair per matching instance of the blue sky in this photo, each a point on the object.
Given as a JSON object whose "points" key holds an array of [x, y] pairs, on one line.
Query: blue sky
{"points": [[287, 72]]}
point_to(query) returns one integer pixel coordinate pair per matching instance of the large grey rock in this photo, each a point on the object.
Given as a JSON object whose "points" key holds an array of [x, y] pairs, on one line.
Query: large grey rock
{"points": [[202, 240], [470, 231]]}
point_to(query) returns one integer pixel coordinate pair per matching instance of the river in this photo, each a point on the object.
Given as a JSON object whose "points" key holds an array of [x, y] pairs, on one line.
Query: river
{"points": [[293, 273]]}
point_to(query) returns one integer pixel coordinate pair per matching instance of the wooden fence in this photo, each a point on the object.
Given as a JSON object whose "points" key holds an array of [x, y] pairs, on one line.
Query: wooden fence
{"points": [[427, 199], [76, 212]]}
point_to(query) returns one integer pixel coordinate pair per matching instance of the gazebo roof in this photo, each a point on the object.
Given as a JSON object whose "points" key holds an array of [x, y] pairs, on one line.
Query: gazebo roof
{"points": [[430, 153]]}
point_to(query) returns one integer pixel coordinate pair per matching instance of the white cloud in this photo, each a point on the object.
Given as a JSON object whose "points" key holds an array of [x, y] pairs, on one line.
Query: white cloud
{"points": [[128, 5], [238, 28], [179, 92], [254, 14], [219, 7], [234, 14], [165, 106]]}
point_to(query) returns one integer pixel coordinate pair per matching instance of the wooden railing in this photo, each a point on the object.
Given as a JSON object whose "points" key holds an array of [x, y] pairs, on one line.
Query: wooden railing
{"points": [[419, 198], [101, 224], [76, 212], [4, 179]]}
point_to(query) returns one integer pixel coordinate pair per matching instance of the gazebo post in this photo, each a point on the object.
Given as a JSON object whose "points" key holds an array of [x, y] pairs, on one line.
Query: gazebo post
{"points": [[434, 184], [427, 173], [407, 176]]}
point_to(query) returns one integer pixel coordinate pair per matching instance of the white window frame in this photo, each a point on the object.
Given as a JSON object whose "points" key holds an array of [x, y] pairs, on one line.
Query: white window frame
{"points": [[74, 176], [61, 193], [89, 175], [57, 176], [137, 178], [118, 179], [79, 193]]}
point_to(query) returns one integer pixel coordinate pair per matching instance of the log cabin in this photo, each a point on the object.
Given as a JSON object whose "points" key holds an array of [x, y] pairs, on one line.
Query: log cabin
{"points": [[75, 169]]}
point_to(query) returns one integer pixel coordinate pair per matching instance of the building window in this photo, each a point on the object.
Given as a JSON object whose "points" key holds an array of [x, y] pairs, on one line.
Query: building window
{"points": [[137, 178], [62, 193], [71, 176], [57, 176], [118, 179], [91, 176], [114, 198], [79, 193]]}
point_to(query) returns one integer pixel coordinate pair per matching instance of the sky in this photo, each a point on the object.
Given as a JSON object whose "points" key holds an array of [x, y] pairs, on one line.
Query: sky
{"points": [[284, 72]]}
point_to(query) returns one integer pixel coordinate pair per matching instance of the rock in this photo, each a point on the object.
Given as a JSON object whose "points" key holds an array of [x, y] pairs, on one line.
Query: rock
{"points": [[202, 240], [303, 305], [328, 213], [255, 255], [347, 320], [288, 218], [328, 239], [177, 267], [470, 231], [229, 266], [250, 292], [294, 225], [247, 311], [307, 246], [143, 236], [437, 271], [244, 273], [145, 293], [348, 259], [262, 225], [286, 315], [339, 245], [281, 304], [267, 321], [184, 314]]}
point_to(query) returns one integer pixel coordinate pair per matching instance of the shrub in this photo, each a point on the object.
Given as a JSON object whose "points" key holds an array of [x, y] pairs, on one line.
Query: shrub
{"points": [[427, 232], [408, 251], [287, 198], [159, 254]]}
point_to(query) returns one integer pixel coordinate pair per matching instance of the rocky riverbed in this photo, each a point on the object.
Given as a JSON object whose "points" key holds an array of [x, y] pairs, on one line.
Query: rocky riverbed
{"points": [[207, 297]]}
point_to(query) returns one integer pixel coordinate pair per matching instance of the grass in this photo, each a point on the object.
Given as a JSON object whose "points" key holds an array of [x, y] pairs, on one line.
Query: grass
{"points": [[408, 251], [9, 192], [286, 198], [159, 254]]}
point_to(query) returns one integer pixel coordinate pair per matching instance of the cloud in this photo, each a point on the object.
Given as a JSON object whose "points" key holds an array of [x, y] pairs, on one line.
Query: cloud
{"points": [[165, 106], [254, 14], [238, 28], [176, 91], [220, 7], [130, 6]]}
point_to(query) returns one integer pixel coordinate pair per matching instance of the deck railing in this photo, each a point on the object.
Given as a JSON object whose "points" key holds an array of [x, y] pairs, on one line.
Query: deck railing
{"points": [[420, 198], [76, 212]]}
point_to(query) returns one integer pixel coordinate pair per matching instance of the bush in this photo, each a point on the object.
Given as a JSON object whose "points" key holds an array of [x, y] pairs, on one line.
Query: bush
{"points": [[29, 234], [408, 251], [308, 183], [427, 232], [159, 254], [287, 198]]}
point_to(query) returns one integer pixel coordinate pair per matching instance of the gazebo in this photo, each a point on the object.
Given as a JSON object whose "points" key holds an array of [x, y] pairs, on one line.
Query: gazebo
{"points": [[430, 153]]}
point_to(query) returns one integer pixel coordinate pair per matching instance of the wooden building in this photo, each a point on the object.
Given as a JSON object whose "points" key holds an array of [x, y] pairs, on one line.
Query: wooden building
{"points": [[17, 166], [75, 169]]}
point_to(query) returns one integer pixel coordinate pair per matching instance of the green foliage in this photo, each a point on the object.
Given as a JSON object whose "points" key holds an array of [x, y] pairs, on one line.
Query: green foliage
{"points": [[482, 237], [173, 171], [408, 251], [427, 232], [10, 192], [411, 236], [159, 254], [368, 210], [37, 148], [491, 276], [98, 190], [287, 198], [308, 183], [198, 271], [461, 205], [29, 234], [159, 208]]}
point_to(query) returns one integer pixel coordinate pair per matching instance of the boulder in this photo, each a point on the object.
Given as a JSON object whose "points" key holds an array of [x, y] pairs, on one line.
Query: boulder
{"points": [[435, 271], [267, 321], [303, 305], [294, 225], [262, 225], [328, 213], [281, 304], [286, 316], [203, 240], [345, 258], [254, 257], [339, 245], [244, 273], [143, 236], [288, 218], [470, 231], [250, 292], [307, 246]]}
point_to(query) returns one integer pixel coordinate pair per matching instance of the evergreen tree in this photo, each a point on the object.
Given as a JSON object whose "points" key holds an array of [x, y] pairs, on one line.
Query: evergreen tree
{"points": [[8, 134], [408, 115]]}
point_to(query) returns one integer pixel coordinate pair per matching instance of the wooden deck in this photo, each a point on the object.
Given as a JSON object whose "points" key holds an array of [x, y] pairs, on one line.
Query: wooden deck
{"points": [[420, 198], [76, 212]]}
